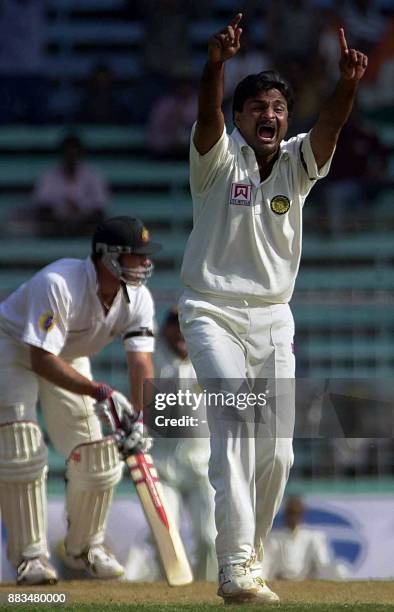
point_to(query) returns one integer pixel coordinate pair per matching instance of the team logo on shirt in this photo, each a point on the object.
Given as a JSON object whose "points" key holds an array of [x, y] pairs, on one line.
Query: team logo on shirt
{"points": [[47, 321], [280, 204], [241, 194]]}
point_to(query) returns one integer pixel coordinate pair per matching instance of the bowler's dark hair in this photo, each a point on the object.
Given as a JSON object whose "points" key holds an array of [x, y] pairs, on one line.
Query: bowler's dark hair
{"points": [[253, 84]]}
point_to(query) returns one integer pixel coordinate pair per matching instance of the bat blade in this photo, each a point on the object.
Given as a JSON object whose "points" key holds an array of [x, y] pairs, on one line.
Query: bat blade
{"points": [[162, 524]]}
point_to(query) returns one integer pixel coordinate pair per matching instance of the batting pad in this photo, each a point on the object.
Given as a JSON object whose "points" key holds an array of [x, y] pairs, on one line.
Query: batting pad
{"points": [[92, 473], [23, 471]]}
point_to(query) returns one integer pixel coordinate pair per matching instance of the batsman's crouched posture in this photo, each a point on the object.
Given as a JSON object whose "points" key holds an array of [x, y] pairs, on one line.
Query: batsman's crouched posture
{"points": [[48, 328], [239, 268]]}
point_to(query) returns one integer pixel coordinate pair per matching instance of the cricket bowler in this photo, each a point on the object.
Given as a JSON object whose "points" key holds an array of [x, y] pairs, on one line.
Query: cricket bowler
{"points": [[239, 268]]}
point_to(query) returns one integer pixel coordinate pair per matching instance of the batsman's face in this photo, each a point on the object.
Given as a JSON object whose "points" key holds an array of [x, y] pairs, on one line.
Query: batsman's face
{"points": [[133, 261], [263, 122]]}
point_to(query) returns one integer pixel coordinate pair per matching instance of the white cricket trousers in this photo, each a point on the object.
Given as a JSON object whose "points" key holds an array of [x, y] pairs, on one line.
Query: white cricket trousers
{"points": [[70, 418], [247, 344]]}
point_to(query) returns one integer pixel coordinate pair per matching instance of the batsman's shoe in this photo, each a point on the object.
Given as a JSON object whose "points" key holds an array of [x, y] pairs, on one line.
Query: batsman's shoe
{"points": [[36, 571], [97, 561]]}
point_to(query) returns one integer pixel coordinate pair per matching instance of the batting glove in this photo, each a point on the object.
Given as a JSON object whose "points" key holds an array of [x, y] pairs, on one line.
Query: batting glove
{"points": [[135, 440], [125, 413]]}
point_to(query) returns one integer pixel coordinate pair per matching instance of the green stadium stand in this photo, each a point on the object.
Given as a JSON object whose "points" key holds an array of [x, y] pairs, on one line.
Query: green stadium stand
{"points": [[22, 138], [122, 172], [110, 31], [85, 7]]}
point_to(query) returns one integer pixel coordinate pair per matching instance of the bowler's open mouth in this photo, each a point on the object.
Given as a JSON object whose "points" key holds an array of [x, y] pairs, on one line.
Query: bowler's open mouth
{"points": [[266, 133]]}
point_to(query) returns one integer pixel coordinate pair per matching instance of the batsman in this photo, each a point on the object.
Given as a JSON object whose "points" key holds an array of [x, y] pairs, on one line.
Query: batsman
{"points": [[240, 266], [49, 327]]}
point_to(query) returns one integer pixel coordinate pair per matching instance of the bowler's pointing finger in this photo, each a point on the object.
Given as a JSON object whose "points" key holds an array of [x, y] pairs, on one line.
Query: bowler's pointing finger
{"points": [[234, 22], [342, 42]]}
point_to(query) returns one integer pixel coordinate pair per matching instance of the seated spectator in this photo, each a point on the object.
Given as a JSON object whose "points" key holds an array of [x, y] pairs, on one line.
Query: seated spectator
{"points": [[357, 175], [377, 93], [364, 22], [165, 51], [70, 198], [23, 89], [328, 52], [296, 24], [297, 552], [102, 100], [171, 120]]}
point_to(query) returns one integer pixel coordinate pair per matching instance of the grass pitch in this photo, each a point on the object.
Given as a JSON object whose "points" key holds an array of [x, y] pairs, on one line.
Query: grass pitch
{"points": [[305, 596]]}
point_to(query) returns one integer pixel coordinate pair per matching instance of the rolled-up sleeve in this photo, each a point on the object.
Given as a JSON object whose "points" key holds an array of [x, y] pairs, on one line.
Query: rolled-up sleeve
{"points": [[139, 335], [204, 168], [47, 318]]}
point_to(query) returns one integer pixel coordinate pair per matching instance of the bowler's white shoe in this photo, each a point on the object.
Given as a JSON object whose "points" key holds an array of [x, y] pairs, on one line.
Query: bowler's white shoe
{"points": [[266, 594], [36, 571], [97, 561], [238, 585]]}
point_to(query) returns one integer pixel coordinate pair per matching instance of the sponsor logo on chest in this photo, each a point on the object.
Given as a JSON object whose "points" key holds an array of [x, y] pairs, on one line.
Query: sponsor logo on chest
{"points": [[241, 194]]}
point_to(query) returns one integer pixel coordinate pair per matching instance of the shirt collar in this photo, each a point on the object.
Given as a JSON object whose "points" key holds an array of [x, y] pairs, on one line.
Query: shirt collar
{"points": [[92, 275], [243, 145]]}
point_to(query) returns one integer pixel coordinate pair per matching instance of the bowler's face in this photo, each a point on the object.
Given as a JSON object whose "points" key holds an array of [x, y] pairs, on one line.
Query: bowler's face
{"points": [[263, 122]]}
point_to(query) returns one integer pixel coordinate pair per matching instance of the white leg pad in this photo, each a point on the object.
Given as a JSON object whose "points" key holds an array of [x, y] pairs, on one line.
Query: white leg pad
{"points": [[23, 472], [92, 473]]}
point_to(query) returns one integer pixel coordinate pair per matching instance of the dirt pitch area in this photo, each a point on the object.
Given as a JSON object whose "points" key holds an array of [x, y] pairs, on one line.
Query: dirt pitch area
{"points": [[99, 592]]}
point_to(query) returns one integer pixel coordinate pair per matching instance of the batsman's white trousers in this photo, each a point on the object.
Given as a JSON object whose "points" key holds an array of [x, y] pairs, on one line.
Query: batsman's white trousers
{"points": [[70, 418], [243, 342]]}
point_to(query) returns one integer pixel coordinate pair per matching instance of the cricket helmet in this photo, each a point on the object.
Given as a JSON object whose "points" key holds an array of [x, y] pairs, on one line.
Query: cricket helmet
{"points": [[124, 235]]}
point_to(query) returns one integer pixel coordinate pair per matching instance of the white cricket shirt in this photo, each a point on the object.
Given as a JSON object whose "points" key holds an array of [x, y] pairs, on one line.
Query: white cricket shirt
{"points": [[247, 234], [168, 364], [300, 554], [59, 311]]}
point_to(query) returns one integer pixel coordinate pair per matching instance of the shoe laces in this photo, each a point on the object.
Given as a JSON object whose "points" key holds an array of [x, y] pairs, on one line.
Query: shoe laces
{"points": [[239, 569], [30, 563], [260, 581], [98, 552]]}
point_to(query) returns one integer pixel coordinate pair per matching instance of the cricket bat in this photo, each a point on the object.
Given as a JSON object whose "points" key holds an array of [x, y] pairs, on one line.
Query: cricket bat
{"points": [[165, 532], [168, 541]]}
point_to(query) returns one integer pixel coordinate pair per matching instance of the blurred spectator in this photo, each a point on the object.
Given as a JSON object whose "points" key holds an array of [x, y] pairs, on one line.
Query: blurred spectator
{"points": [[70, 198], [166, 52], [310, 89], [357, 175], [166, 44], [102, 99], [182, 463], [377, 93], [364, 24], [294, 24], [328, 47], [297, 552], [23, 89], [170, 121]]}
